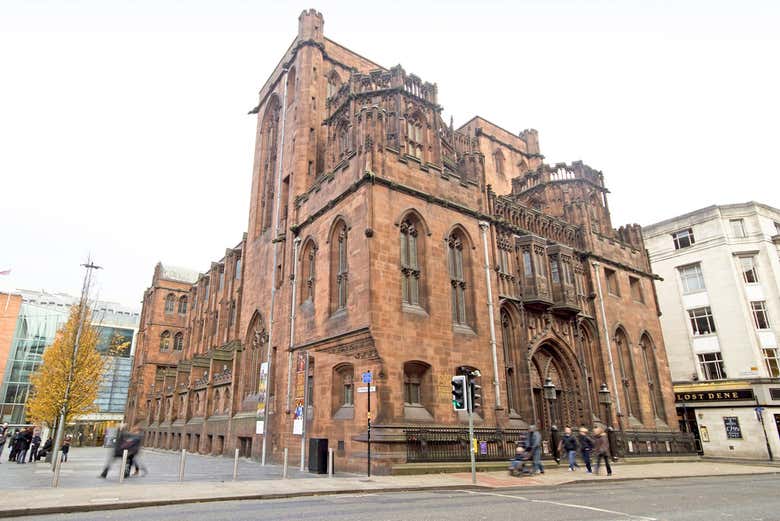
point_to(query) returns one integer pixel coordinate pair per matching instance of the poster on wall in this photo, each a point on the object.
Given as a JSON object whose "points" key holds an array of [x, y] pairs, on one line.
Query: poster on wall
{"points": [[733, 430], [261, 390], [704, 433], [300, 386]]}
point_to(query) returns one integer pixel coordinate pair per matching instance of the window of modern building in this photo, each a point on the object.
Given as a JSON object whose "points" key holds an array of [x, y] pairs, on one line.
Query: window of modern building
{"points": [[182, 305], [683, 238], [612, 282], [711, 365], [702, 322], [165, 340], [772, 362], [760, 316], [692, 278], [737, 227], [169, 303], [749, 271], [636, 289]]}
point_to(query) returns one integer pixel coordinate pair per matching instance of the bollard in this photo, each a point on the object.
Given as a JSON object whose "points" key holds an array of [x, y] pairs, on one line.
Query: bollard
{"points": [[181, 464], [330, 462], [235, 466], [284, 468], [57, 464], [124, 466]]}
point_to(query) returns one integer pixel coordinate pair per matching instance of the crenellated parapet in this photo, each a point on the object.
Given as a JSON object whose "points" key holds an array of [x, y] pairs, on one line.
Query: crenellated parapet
{"points": [[559, 172]]}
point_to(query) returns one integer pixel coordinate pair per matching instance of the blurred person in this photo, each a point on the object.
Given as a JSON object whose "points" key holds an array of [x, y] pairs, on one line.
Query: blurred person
{"points": [[35, 442], [533, 444], [586, 447], [115, 450], [133, 444], [23, 443], [568, 446], [601, 447]]}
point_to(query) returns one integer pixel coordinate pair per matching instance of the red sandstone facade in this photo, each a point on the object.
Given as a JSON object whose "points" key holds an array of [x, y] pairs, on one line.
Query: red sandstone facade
{"points": [[369, 225]]}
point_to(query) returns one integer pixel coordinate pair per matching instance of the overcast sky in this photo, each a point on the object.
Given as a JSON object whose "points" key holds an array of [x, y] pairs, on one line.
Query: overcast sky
{"points": [[124, 130]]}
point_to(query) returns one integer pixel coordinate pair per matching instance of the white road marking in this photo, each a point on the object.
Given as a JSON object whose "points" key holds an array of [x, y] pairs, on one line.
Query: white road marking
{"points": [[570, 505]]}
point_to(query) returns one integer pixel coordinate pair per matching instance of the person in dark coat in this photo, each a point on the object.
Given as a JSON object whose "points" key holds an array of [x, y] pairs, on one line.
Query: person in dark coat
{"points": [[13, 438], [24, 441], [568, 446], [115, 451], [601, 448], [533, 444], [34, 444], [66, 448], [46, 448], [586, 447]]}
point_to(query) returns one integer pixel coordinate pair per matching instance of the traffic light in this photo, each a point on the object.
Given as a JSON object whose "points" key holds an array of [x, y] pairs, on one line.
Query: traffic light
{"points": [[459, 397], [475, 398]]}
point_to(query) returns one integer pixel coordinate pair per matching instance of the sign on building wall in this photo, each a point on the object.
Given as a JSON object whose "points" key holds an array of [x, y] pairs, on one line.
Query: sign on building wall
{"points": [[715, 396], [261, 389], [733, 430]]}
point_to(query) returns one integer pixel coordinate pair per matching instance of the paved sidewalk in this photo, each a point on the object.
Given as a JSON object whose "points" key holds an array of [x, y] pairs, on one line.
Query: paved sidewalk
{"points": [[115, 496]]}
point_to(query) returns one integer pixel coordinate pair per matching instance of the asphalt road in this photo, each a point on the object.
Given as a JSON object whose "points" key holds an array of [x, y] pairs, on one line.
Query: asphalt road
{"points": [[745, 498]]}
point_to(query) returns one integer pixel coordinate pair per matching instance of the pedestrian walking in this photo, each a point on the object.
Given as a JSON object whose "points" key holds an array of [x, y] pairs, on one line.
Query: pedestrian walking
{"points": [[34, 444], [134, 444], [13, 438], [65, 448], [586, 447], [115, 450], [3, 434], [23, 443], [568, 446], [601, 447], [533, 444]]}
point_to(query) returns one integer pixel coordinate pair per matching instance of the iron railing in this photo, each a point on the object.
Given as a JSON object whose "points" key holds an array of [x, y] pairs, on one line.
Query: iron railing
{"points": [[442, 444]]}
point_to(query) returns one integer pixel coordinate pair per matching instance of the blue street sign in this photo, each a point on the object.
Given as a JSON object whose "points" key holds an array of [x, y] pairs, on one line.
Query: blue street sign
{"points": [[367, 377]]}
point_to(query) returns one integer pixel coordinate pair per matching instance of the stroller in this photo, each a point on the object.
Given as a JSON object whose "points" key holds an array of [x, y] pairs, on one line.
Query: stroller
{"points": [[520, 465]]}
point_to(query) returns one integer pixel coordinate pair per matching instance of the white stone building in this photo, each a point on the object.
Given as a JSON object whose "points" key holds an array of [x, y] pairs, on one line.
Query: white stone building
{"points": [[720, 305]]}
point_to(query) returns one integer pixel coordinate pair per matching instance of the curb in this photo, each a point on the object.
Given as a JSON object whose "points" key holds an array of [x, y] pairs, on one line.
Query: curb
{"points": [[121, 505]]}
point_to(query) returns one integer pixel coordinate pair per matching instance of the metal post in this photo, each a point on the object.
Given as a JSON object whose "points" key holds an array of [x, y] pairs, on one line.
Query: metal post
{"points": [[496, 387], [305, 410], [368, 460], [181, 464], [124, 466], [235, 466], [760, 416], [330, 462], [471, 446], [284, 466], [57, 465]]}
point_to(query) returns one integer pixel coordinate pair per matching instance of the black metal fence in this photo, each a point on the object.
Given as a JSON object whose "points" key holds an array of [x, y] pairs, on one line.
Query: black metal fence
{"points": [[442, 444]]}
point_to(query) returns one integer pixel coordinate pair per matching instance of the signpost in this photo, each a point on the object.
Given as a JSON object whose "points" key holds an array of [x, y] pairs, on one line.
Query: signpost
{"points": [[367, 380], [760, 417]]}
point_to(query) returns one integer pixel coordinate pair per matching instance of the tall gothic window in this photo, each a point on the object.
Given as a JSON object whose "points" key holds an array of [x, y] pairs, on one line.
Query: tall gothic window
{"points": [[498, 159], [183, 305], [339, 267], [653, 376], [626, 365], [165, 340], [269, 145], [178, 342], [308, 256], [342, 140], [169, 302], [507, 339], [455, 244], [415, 136], [410, 262]]}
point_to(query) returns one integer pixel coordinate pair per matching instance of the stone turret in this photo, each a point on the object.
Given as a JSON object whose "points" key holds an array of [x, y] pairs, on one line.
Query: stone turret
{"points": [[311, 26]]}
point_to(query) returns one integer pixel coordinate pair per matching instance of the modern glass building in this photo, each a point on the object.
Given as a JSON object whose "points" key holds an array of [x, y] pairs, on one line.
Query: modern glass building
{"points": [[40, 316]]}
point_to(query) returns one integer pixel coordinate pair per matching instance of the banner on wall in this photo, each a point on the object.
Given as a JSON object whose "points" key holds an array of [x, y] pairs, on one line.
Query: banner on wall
{"points": [[261, 397]]}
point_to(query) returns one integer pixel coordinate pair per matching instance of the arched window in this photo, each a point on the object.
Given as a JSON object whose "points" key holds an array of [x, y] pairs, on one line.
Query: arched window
{"points": [[458, 268], [253, 356], [308, 257], [415, 136], [291, 86], [334, 82], [196, 407], [165, 340], [183, 305], [342, 140], [498, 160], [178, 342], [508, 341], [226, 405], [649, 356], [169, 303], [339, 267], [594, 365], [411, 249], [217, 404], [232, 315], [269, 144], [626, 365]]}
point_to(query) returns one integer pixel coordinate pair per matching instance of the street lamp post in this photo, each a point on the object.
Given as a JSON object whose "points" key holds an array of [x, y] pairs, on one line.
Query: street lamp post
{"points": [[605, 398], [551, 394]]}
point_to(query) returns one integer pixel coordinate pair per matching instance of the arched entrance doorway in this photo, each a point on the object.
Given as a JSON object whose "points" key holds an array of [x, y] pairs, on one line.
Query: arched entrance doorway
{"points": [[550, 361]]}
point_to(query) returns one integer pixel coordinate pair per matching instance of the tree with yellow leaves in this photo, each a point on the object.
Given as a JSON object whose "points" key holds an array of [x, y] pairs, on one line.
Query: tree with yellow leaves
{"points": [[50, 381]]}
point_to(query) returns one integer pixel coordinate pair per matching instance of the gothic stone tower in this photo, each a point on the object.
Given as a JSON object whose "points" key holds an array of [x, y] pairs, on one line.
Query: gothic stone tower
{"points": [[382, 239]]}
